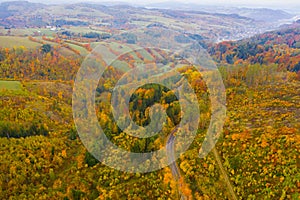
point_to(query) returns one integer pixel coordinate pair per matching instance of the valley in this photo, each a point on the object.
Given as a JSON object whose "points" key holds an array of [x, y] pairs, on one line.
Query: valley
{"points": [[46, 50]]}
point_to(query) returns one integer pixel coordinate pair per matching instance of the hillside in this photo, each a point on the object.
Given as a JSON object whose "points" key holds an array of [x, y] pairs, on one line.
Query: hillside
{"points": [[258, 14], [257, 155], [214, 26], [140, 76], [280, 47]]}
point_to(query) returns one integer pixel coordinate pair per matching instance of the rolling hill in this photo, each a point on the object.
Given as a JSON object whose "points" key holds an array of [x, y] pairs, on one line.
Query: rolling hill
{"points": [[217, 26]]}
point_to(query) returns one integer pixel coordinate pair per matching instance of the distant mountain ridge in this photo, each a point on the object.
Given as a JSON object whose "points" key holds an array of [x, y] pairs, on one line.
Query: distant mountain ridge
{"points": [[9, 8], [215, 23], [259, 14], [263, 14]]}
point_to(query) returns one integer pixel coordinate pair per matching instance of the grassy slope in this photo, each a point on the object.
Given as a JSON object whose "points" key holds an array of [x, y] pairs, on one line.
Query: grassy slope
{"points": [[15, 41], [10, 85]]}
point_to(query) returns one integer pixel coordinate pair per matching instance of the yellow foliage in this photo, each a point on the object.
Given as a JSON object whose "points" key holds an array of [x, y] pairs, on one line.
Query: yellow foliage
{"points": [[57, 184], [80, 161], [235, 136], [12, 169], [64, 153], [287, 130], [264, 143], [60, 95], [27, 161], [186, 191]]}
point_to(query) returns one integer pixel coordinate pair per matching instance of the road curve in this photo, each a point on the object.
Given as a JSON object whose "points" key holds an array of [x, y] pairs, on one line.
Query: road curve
{"points": [[171, 157], [171, 154], [176, 172]]}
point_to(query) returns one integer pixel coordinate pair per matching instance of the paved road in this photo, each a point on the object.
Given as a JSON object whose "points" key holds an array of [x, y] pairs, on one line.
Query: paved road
{"points": [[176, 172], [171, 154], [171, 157]]}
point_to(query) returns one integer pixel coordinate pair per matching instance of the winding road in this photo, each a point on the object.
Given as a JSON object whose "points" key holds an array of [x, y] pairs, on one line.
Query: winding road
{"points": [[176, 172], [171, 158], [171, 154]]}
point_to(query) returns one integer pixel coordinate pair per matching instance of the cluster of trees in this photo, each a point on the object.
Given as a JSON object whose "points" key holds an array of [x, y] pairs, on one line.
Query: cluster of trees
{"points": [[62, 22], [260, 145], [250, 76], [35, 40], [84, 37], [289, 36], [9, 130], [86, 46], [129, 38], [259, 150], [255, 151], [61, 43], [281, 48], [53, 167], [102, 36], [46, 63]]}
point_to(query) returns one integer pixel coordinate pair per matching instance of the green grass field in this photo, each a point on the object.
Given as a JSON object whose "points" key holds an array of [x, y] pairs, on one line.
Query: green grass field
{"points": [[10, 85], [27, 31], [82, 50], [14, 41], [82, 30]]}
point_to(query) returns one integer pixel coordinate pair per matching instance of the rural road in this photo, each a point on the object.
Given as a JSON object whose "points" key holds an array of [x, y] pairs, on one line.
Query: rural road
{"points": [[171, 157], [223, 172], [176, 172]]}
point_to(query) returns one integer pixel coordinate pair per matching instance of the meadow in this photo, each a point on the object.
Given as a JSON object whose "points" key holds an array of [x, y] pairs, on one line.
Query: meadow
{"points": [[10, 85]]}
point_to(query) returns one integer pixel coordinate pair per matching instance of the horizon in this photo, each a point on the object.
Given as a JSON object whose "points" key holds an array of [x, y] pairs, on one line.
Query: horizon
{"points": [[293, 5]]}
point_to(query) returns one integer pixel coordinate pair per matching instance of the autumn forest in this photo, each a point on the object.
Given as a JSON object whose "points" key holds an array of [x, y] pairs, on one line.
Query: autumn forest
{"points": [[257, 155]]}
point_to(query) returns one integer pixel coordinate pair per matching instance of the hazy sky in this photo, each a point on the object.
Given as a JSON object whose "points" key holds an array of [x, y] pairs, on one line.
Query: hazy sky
{"points": [[251, 3], [228, 2]]}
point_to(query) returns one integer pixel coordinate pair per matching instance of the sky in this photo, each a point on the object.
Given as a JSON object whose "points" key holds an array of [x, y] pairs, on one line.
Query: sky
{"points": [[233, 2], [247, 3]]}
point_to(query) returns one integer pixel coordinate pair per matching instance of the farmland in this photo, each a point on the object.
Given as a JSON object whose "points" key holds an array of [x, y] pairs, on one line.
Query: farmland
{"points": [[10, 85], [15, 41]]}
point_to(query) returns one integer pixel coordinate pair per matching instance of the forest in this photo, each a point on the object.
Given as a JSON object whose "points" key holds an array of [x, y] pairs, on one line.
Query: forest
{"points": [[277, 47], [258, 154]]}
